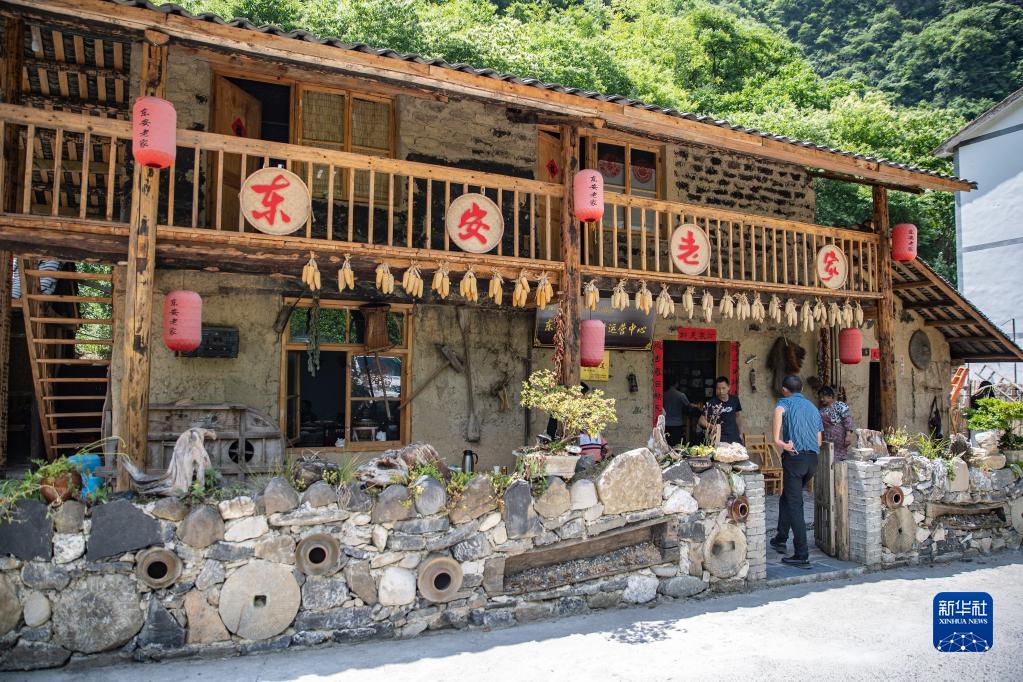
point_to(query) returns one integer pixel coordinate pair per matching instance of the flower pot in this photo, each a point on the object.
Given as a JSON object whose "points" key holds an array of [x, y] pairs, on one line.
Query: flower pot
{"points": [[61, 488]]}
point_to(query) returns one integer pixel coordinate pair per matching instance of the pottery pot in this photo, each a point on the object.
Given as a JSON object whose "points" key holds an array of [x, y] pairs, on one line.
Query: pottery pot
{"points": [[62, 488]]}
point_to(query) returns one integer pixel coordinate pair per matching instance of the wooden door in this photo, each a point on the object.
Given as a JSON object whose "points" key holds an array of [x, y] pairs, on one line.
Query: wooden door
{"points": [[548, 162], [237, 113]]}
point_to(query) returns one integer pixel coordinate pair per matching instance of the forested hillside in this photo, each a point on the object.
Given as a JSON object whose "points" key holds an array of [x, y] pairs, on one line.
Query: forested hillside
{"points": [[887, 78]]}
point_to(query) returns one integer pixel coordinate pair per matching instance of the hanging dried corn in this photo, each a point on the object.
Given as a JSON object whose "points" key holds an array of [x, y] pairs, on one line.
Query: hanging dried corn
{"points": [[619, 296], [727, 306], [544, 291], [834, 314], [496, 290], [591, 295], [742, 307], [707, 305], [412, 281], [847, 314], [689, 302], [311, 274], [385, 280], [644, 299], [820, 313], [858, 314], [757, 311], [520, 295], [467, 287], [441, 282], [665, 303], [774, 309], [806, 316], [791, 315], [346, 276]]}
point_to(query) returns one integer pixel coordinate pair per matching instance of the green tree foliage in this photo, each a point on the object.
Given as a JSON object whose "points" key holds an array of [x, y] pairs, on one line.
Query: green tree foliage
{"points": [[810, 69]]}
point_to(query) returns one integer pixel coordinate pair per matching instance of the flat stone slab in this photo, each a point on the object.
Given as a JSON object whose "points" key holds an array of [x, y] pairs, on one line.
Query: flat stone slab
{"points": [[97, 613], [119, 527], [29, 534], [632, 481]]}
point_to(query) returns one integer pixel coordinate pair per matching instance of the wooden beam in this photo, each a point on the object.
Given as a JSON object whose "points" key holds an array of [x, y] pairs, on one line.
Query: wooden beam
{"points": [[952, 323], [970, 339], [571, 279], [923, 305], [509, 93], [905, 286], [845, 177], [138, 299], [14, 37], [886, 312]]}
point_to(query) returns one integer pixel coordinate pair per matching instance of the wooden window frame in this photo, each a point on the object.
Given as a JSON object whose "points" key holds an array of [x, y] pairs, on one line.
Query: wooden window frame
{"points": [[591, 140], [350, 349]]}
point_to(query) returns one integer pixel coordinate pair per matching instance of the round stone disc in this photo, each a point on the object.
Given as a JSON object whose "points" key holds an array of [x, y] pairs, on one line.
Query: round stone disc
{"points": [[899, 531], [259, 600], [724, 552]]}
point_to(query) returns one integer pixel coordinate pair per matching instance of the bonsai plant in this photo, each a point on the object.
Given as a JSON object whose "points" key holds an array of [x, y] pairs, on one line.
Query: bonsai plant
{"points": [[998, 415], [576, 412]]}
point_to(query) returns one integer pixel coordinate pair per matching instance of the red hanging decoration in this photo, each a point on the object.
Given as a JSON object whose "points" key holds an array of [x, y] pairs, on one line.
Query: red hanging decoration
{"points": [[154, 125], [182, 321], [591, 333], [904, 242], [588, 192], [850, 346]]}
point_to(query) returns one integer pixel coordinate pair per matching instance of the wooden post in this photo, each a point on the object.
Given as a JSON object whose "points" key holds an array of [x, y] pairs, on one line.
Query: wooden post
{"points": [[885, 312], [14, 58], [133, 405], [571, 281]]}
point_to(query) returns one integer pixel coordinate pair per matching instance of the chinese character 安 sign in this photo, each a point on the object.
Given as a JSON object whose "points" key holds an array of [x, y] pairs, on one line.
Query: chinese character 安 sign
{"points": [[474, 223]]}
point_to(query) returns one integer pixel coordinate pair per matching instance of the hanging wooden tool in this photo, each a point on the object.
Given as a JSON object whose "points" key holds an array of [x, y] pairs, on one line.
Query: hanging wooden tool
{"points": [[472, 429]]}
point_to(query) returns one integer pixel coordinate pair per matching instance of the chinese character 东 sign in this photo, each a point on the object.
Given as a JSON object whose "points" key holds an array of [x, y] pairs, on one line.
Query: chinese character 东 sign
{"points": [[963, 622], [690, 249], [832, 267], [474, 223], [275, 201]]}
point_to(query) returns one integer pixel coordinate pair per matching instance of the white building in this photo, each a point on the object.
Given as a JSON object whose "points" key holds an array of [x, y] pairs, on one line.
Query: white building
{"points": [[989, 220]]}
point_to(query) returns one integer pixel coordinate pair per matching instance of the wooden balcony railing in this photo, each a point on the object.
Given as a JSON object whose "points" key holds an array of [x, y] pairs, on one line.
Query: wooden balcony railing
{"points": [[75, 166], [747, 251]]}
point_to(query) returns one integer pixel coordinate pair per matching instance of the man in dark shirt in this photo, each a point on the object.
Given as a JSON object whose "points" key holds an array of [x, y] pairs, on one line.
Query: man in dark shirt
{"points": [[797, 431], [724, 409]]}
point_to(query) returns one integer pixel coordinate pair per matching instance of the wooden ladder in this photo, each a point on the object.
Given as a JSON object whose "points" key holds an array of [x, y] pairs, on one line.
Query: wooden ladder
{"points": [[70, 391], [958, 381]]}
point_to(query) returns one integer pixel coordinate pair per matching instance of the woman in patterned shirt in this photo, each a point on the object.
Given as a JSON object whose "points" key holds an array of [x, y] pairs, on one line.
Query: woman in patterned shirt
{"points": [[838, 423]]}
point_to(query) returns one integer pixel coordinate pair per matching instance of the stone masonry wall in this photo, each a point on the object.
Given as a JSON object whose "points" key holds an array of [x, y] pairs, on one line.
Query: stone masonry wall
{"points": [[273, 569]]}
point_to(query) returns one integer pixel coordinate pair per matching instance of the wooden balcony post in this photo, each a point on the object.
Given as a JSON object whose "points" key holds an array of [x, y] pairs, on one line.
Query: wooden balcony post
{"points": [[885, 312], [14, 58], [571, 281], [133, 405]]}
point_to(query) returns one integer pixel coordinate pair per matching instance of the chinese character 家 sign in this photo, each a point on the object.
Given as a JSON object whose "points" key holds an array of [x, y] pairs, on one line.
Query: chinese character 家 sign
{"points": [[832, 267]]}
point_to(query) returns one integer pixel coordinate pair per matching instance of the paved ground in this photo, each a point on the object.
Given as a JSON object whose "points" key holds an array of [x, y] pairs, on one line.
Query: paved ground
{"points": [[820, 563], [871, 627]]}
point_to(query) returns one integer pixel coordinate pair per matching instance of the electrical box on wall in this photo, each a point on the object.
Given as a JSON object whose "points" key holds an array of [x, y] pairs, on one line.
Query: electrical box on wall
{"points": [[217, 342]]}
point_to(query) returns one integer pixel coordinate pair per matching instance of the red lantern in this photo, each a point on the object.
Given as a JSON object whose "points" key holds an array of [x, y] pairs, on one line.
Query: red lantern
{"points": [[904, 242], [588, 192], [154, 126], [182, 321], [850, 346], [591, 344]]}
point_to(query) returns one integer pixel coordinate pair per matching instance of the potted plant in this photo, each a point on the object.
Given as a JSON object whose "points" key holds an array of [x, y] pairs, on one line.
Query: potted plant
{"points": [[1003, 416], [576, 413], [896, 439], [59, 480]]}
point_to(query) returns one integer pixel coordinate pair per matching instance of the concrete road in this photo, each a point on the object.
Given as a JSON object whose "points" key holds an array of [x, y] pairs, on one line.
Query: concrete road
{"points": [[872, 627]]}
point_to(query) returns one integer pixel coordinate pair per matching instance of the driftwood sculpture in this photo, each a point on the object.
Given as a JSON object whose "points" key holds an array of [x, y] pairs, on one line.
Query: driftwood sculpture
{"points": [[393, 466], [189, 460], [657, 443], [785, 358]]}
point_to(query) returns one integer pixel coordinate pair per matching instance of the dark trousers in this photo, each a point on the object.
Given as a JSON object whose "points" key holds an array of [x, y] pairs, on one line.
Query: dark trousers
{"points": [[797, 470]]}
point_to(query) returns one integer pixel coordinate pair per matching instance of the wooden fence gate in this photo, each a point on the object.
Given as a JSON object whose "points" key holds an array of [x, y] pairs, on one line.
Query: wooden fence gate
{"points": [[824, 507]]}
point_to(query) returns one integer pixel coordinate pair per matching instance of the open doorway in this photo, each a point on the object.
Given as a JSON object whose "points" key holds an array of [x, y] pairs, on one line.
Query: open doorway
{"points": [[316, 402], [694, 365], [874, 397], [245, 108]]}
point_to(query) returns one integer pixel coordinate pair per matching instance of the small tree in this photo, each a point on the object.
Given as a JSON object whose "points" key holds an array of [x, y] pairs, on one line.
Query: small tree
{"points": [[575, 411]]}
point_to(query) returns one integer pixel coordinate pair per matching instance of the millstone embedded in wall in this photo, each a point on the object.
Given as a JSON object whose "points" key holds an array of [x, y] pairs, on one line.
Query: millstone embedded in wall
{"points": [[317, 554], [725, 551], [899, 531], [259, 600], [440, 578], [157, 567]]}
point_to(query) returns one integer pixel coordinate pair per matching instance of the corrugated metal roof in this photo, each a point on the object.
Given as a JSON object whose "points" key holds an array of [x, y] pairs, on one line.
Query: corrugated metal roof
{"points": [[532, 82]]}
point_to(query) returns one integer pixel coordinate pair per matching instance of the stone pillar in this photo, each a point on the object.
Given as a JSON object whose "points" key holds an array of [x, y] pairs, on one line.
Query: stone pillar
{"points": [[756, 528], [864, 512]]}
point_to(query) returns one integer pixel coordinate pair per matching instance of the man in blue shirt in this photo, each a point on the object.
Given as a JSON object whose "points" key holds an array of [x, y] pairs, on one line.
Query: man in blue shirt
{"points": [[797, 431]]}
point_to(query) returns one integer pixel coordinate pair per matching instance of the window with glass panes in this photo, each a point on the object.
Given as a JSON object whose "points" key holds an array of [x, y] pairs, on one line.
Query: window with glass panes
{"points": [[627, 168], [350, 396], [345, 121]]}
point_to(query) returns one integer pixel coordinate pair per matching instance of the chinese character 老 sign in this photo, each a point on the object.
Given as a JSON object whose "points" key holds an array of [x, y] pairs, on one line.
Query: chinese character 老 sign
{"points": [[474, 223], [690, 249], [275, 201]]}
